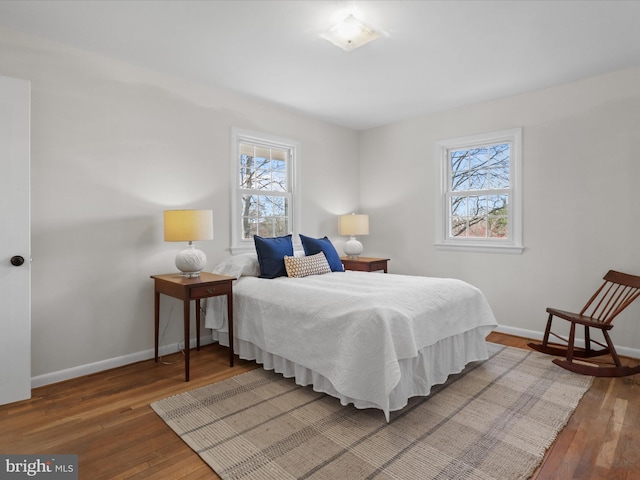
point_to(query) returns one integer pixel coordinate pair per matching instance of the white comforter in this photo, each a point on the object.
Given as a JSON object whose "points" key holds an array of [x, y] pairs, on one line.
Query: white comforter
{"points": [[353, 328]]}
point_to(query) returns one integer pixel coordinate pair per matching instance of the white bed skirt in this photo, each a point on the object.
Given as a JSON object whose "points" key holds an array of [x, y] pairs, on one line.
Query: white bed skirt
{"points": [[431, 367]]}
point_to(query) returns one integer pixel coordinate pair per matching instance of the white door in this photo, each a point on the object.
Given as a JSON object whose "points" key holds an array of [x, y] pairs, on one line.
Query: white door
{"points": [[15, 277]]}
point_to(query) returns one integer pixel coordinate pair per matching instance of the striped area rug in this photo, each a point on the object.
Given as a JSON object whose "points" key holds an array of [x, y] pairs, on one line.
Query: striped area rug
{"points": [[492, 421]]}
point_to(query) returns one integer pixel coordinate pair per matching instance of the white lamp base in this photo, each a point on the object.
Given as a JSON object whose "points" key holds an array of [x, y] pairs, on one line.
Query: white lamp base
{"points": [[191, 261], [353, 248]]}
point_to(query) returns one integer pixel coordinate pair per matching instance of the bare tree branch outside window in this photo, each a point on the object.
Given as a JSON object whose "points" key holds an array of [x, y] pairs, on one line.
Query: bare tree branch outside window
{"points": [[479, 192], [263, 181]]}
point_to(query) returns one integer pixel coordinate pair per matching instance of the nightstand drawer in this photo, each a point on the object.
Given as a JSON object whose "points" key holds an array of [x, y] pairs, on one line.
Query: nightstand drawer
{"points": [[380, 265], [357, 266], [211, 290], [365, 264]]}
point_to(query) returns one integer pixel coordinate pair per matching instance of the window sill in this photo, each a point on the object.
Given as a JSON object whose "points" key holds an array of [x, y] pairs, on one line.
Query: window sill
{"points": [[480, 248], [238, 249]]}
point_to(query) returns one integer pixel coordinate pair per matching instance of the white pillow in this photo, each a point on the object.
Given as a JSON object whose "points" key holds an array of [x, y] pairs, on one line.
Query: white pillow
{"points": [[244, 264]]}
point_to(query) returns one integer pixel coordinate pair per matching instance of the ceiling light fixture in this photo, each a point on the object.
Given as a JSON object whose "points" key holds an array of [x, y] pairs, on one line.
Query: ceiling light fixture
{"points": [[350, 34]]}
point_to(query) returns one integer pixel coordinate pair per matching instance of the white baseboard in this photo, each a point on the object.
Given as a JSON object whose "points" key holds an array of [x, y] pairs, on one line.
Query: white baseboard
{"points": [[521, 332], [82, 370], [54, 377]]}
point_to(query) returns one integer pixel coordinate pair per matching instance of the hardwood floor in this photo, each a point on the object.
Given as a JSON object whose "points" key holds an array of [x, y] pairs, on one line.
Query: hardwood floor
{"points": [[105, 418], [601, 439]]}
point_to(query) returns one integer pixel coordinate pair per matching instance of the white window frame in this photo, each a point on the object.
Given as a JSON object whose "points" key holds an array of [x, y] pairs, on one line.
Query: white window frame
{"points": [[238, 244], [513, 244]]}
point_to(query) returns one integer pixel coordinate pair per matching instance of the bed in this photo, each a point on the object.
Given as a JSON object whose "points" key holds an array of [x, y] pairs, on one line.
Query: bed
{"points": [[371, 340]]}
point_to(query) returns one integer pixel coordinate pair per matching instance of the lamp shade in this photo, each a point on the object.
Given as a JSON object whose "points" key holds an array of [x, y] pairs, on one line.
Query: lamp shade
{"points": [[188, 225], [354, 225]]}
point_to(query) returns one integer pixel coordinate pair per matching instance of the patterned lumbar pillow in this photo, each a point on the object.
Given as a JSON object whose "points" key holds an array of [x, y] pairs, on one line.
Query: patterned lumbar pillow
{"points": [[304, 266]]}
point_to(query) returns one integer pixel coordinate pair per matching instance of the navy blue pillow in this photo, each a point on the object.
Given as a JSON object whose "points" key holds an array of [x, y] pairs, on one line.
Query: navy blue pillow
{"points": [[316, 245], [271, 252]]}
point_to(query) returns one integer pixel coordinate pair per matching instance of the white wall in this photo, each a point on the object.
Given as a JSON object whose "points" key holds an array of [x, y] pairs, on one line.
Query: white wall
{"points": [[581, 206], [113, 146]]}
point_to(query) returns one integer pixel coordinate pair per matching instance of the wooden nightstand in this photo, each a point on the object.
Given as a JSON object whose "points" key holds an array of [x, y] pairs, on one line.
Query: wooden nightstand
{"points": [[365, 264], [187, 289]]}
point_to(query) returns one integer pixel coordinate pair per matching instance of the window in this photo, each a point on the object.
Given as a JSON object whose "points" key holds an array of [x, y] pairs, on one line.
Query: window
{"points": [[264, 201], [479, 204]]}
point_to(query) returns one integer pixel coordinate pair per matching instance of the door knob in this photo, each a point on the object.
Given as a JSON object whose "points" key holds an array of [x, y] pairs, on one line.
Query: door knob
{"points": [[17, 260]]}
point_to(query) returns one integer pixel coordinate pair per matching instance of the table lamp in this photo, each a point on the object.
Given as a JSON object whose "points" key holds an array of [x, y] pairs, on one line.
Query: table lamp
{"points": [[353, 225], [189, 226]]}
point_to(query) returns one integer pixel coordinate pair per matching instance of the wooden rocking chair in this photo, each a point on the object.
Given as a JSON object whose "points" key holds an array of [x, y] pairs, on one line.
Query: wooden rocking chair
{"points": [[617, 292]]}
